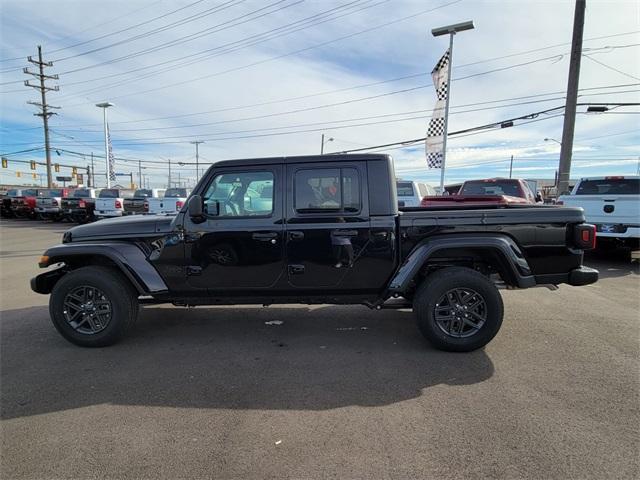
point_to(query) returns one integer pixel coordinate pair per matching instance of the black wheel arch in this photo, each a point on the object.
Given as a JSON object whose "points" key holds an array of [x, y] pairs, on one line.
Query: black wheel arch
{"points": [[498, 251], [127, 258]]}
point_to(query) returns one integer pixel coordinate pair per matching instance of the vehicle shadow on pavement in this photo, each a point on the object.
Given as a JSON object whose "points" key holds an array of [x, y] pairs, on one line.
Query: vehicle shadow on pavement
{"points": [[612, 264], [230, 358]]}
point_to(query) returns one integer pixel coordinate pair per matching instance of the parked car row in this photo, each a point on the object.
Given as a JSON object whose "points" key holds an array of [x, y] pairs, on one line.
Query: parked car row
{"points": [[83, 205]]}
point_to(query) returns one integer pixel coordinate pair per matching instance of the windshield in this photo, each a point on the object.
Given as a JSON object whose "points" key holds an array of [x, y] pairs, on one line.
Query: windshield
{"points": [[176, 193], [12, 193], [405, 189], [492, 187], [56, 192], [32, 192], [82, 193], [143, 193], [611, 186]]}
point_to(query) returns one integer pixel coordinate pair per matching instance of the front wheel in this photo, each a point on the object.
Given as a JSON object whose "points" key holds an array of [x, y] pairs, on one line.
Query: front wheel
{"points": [[93, 306], [458, 309]]}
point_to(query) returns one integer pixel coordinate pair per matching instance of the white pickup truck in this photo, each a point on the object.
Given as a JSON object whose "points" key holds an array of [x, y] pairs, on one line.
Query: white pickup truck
{"points": [[612, 204], [110, 202], [171, 203]]}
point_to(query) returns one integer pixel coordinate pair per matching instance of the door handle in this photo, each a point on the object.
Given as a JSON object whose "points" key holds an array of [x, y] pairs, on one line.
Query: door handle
{"points": [[345, 233], [296, 235], [265, 237]]}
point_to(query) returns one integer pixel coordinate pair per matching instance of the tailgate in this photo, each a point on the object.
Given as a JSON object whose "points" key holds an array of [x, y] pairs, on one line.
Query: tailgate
{"points": [[105, 204], [614, 209]]}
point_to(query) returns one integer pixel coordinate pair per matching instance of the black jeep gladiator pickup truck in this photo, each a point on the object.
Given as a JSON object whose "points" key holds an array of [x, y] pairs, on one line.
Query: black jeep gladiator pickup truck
{"points": [[316, 229]]}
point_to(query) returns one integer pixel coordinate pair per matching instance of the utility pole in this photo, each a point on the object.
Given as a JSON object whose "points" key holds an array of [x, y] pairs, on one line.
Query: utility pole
{"points": [[140, 173], [196, 143], [566, 146], [169, 182], [511, 166], [93, 173], [44, 107], [179, 184]]}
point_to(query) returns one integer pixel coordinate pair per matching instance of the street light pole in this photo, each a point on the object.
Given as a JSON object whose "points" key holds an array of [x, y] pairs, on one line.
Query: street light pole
{"points": [[450, 30], [104, 106], [322, 142]]}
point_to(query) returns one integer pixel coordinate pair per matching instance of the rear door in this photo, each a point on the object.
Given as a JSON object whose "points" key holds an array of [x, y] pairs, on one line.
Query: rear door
{"points": [[241, 247], [328, 227]]}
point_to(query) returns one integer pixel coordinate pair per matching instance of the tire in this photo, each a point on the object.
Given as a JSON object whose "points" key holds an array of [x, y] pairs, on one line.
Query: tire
{"points": [[444, 295], [111, 290]]}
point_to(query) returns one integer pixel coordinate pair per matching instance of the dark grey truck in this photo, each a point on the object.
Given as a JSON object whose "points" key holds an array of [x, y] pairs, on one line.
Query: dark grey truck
{"points": [[310, 230]]}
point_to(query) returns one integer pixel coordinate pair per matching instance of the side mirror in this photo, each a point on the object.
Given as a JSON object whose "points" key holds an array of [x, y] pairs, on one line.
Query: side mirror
{"points": [[539, 198], [194, 207]]}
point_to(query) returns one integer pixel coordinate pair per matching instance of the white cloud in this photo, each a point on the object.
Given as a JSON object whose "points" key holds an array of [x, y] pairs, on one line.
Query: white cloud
{"points": [[502, 28]]}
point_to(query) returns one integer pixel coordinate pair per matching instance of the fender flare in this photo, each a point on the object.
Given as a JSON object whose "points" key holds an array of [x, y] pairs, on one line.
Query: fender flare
{"points": [[129, 258], [506, 248]]}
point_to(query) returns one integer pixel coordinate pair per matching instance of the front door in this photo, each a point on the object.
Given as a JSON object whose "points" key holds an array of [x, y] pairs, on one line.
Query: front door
{"points": [[240, 244], [328, 227]]}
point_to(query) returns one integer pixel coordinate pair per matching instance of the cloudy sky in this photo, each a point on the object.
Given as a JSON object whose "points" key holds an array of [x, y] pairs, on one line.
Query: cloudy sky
{"points": [[268, 78]]}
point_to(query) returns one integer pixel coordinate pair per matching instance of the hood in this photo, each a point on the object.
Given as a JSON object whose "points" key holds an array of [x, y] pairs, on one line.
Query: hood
{"points": [[122, 227]]}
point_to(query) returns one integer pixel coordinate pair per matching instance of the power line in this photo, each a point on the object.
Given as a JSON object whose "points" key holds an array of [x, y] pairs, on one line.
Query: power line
{"points": [[224, 48], [289, 53], [588, 57]]}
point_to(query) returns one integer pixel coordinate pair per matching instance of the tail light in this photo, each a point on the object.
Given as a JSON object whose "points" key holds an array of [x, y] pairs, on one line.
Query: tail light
{"points": [[82, 204], [146, 206], [179, 205], [585, 236], [118, 204]]}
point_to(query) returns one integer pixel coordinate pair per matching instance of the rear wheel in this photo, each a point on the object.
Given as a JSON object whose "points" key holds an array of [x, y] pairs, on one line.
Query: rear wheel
{"points": [[458, 309], [93, 306]]}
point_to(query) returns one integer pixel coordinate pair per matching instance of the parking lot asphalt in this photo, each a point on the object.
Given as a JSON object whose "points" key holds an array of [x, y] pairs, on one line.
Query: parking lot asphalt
{"points": [[332, 392]]}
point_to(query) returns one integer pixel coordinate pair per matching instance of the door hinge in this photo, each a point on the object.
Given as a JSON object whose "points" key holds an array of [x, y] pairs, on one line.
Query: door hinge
{"points": [[194, 270]]}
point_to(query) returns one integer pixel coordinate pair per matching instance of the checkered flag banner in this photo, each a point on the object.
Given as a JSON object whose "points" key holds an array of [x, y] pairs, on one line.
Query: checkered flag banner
{"points": [[435, 133], [112, 160]]}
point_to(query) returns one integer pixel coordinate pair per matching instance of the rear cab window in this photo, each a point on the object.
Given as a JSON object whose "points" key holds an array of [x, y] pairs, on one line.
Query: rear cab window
{"points": [[492, 187], [611, 186], [176, 193], [405, 189]]}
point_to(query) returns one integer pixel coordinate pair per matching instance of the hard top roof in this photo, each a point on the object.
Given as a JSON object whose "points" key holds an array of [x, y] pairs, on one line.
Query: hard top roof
{"points": [[304, 159]]}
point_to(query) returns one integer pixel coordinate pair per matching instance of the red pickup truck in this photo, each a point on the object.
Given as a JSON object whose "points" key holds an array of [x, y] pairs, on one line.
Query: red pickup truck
{"points": [[490, 191], [24, 205]]}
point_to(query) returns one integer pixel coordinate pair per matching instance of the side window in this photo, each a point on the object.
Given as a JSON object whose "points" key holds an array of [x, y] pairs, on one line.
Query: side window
{"points": [[241, 194], [327, 189]]}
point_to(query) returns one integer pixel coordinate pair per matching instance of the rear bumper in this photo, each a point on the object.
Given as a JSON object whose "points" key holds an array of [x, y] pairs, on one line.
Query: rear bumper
{"points": [[628, 232], [48, 210], [576, 277], [108, 213], [583, 276]]}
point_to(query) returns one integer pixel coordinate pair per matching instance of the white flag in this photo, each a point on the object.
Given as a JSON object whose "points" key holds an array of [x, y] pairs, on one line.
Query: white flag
{"points": [[434, 144], [112, 160]]}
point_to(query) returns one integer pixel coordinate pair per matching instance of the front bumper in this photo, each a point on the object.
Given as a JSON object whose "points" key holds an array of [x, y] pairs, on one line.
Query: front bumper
{"points": [[44, 282]]}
